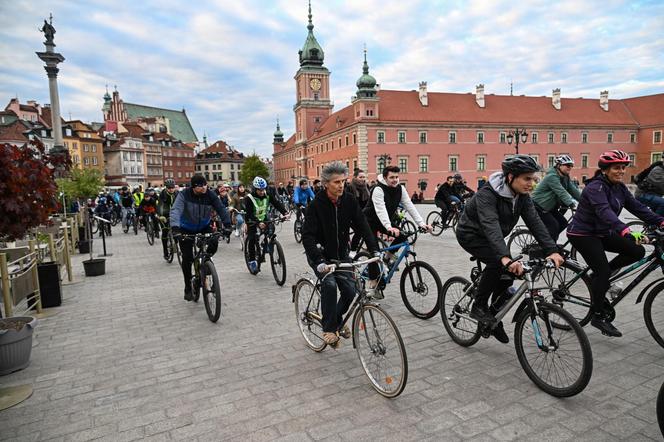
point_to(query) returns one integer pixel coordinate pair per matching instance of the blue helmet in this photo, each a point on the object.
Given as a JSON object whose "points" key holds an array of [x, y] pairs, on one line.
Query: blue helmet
{"points": [[260, 183], [102, 200]]}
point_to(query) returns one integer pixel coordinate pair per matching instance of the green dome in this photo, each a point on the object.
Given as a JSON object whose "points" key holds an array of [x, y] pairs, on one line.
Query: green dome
{"points": [[366, 84], [278, 134], [311, 53]]}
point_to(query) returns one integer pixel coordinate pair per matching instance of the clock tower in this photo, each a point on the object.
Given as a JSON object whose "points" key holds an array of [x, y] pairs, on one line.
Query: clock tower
{"points": [[312, 84]]}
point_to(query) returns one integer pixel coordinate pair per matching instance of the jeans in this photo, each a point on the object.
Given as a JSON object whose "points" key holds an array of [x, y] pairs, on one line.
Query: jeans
{"points": [[239, 220], [554, 221], [593, 249], [333, 310], [187, 249], [655, 202], [125, 212]]}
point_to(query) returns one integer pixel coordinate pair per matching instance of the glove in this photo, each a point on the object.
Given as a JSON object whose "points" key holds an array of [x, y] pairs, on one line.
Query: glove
{"points": [[637, 237]]}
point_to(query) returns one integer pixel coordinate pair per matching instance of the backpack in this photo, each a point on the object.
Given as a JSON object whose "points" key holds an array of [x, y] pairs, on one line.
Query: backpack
{"points": [[640, 179]]}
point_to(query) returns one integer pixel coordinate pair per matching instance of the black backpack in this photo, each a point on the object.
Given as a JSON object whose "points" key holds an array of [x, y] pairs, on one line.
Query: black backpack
{"points": [[640, 179]]}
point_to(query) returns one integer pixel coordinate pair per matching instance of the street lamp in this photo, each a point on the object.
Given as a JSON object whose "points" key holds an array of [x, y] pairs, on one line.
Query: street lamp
{"points": [[384, 160], [515, 135]]}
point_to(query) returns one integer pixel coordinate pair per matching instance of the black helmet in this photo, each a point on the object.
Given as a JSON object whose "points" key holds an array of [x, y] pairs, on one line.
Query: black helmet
{"points": [[124, 188], [519, 164], [457, 176], [169, 183]]}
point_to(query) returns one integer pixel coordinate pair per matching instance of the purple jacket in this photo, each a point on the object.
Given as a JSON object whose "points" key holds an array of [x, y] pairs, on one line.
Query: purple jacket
{"points": [[601, 204]]}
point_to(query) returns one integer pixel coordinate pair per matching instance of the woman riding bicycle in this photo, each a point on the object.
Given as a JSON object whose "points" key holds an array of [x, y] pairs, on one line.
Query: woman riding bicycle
{"points": [[596, 228], [487, 219]]}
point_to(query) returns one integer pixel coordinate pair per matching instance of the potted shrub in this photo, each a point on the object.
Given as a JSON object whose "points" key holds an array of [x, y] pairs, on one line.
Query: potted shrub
{"points": [[15, 343]]}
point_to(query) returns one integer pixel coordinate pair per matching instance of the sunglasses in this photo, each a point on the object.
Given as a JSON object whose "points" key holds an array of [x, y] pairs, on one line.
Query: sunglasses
{"points": [[200, 185]]}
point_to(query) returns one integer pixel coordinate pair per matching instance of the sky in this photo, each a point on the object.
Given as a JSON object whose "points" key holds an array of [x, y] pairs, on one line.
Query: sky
{"points": [[231, 63]]}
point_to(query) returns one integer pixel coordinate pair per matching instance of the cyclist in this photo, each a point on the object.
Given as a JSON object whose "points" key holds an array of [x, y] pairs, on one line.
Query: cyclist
{"points": [[191, 214], [488, 218], [147, 208], [138, 195], [166, 201], [103, 210], [596, 228], [302, 196], [650, 187], [461, 190], [127, 204], [256, 206], [446, 197], [327, 222], [555, 194], [237, 205]]}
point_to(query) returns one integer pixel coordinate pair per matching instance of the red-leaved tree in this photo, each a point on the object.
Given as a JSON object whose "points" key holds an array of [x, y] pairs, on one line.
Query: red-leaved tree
{"points": [[28, 192]]}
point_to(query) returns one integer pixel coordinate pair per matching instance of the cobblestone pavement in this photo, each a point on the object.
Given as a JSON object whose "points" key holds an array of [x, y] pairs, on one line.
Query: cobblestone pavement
{"points": [[126, 358]]}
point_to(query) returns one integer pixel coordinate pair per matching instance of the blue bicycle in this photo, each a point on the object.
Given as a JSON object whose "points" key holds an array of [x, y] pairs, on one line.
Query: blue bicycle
{"points": [[420, 284]]}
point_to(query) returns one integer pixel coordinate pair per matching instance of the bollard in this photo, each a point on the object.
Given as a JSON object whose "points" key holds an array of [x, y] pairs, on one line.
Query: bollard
{"points": [[51, 248], [67, 257], [35, 278], [6, 293]]}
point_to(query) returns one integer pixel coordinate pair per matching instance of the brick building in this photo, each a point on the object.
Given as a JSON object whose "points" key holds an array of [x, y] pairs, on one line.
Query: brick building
{"points": [[178, 158], [430, 135], [219, 163]]}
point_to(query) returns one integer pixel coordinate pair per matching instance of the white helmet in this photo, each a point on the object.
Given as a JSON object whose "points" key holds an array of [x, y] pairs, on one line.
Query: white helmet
{"points": [[562, 160], [259, 183]]}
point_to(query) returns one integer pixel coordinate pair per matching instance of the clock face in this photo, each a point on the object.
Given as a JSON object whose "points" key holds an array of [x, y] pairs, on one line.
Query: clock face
{"points": [[315, 84]]}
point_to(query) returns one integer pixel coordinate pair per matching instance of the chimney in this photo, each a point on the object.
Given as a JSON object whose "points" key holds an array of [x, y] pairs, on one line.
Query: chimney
{"points": [[604, 100], [423, 93], [555, 98], [479, 95]]}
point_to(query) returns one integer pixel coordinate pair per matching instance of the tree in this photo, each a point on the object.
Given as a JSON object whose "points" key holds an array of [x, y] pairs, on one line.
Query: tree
{"points": [[82, 183], [28, 192], [253, 166]]}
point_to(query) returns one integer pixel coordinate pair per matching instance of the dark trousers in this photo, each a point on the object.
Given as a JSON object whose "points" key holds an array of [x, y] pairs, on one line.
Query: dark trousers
{"points": [[252, 237], [494, 281], [187, 249], [554, 221], [333, 310], [164, 238], [442, 205], [593, 249]]}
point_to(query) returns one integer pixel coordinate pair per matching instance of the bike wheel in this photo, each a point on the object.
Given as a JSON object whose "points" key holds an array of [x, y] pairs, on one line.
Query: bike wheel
{"points": [[435, 220], [170, 249], [654, 316], [149, 231], [410, 229], [557, 359], [246, 255], [135, 225], [94, 226], [125, 226], [211, 291], [297, 231], [278, 262], [420, 289], [308, 314], [520, 242], [454, 221], [381, 350], [454, 308], [660, 409], [178, 253], [574, 297], [195, 287]]}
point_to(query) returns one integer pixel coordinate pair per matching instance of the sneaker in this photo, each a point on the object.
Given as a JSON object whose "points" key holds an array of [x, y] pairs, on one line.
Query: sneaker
{"points": [[375, 293], [498, 332], [330, 338], [253, 267], [187, 295], [605, 326], [345, 332], [481, 314]]}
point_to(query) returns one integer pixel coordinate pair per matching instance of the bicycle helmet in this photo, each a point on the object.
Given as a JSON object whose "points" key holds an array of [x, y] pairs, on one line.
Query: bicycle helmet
{"points": [[457, 176], [259, 183], [169, 183], [125, 188], [612, 157], [519, 164], [102, 200], [564, 160]]}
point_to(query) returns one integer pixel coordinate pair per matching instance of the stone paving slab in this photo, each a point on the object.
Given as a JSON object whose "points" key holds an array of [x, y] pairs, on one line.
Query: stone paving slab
{"points": [[126, 358]]}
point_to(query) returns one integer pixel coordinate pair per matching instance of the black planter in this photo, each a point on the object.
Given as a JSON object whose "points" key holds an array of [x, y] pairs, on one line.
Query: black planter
{"points": [[49, 284], [94, 267], [81, 233], [83, 246]]}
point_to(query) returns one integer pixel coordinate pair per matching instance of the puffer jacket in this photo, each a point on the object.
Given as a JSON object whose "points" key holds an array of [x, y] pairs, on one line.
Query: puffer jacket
{"points": [[193, 212], [554, 191], [600, 206], [491, 214]]}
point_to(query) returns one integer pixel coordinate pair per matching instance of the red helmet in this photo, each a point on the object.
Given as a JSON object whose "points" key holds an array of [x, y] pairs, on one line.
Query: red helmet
{"points": [[612, 157]]}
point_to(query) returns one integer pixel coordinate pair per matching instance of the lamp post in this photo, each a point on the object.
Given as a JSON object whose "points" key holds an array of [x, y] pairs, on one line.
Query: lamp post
{"points": [[384, 160], [516, 135]]}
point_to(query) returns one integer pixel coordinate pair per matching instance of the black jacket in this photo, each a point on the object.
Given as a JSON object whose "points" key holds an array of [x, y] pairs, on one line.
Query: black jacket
{"points": [[445, 191], [489, 217], [327, 224], [166, 201]]}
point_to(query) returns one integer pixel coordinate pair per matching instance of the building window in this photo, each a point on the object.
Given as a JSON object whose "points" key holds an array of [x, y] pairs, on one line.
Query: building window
{"points": [[346, 140], [332, 144], [584, 160], [480, 137], [632, 138], [354, 165], [535, 157], [125, 170], [657, 137], [369, 112], [423, 138], [453, 163], [403, 164], [632, 160], [380, 165], [550, 137], [609, 137], [94, 161], [481, 163], [86, 148], [534, 136], [94, 148], [86, 161], [452, 137], [563, 138], [584, 137], [655, 156], [424, 164], [354, 138], [401, 137], [552, 160], [503, 138]]}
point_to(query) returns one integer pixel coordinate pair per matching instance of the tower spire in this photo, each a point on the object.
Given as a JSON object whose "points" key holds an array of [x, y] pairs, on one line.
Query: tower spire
{"points": [[310, 26]]}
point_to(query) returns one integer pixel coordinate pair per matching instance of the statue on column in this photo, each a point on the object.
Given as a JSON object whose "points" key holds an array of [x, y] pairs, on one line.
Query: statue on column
{"points": [[48, 31]]}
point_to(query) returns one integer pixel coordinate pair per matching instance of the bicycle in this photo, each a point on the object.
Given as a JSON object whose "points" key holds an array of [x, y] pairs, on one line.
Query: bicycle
{"points": [[435, 219], [521, 240], [567, 291], [407, 226], [548, 328], [204, 277], [418, 276], [150, 231], [267, 244], [297, 225], [376, 337], [172, 248], [660, 409], [131, 221]]}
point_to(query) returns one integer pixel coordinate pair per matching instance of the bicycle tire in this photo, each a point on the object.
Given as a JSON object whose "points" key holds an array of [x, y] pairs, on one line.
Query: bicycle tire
{"points": [[297, 231], [211, 295], [278, 261], [125, 227], [178, 253], [195, 287], [519, 241], [576, 299], [374, 345], [435, 220], [658, 335], [410, 229], [246, 256], [149, 231], [135, 226], [94, 226], [552, 357], [453, 311], [308, 315], [170, 249], [660, 409], [424, 302]]}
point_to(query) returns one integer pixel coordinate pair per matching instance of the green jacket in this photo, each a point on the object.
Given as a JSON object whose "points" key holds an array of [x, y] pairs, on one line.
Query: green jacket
{"points": [[555, 191]]}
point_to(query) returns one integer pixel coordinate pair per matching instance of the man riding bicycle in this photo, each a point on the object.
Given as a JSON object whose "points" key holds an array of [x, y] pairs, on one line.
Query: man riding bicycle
{"points": [[487, 219], [555, 194], [147, 210], [330, 216], [166, 201], [191, 214], [596, 228], [256, 206], [127, 204], [461, 190], [302, 196], [446, 197]]}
